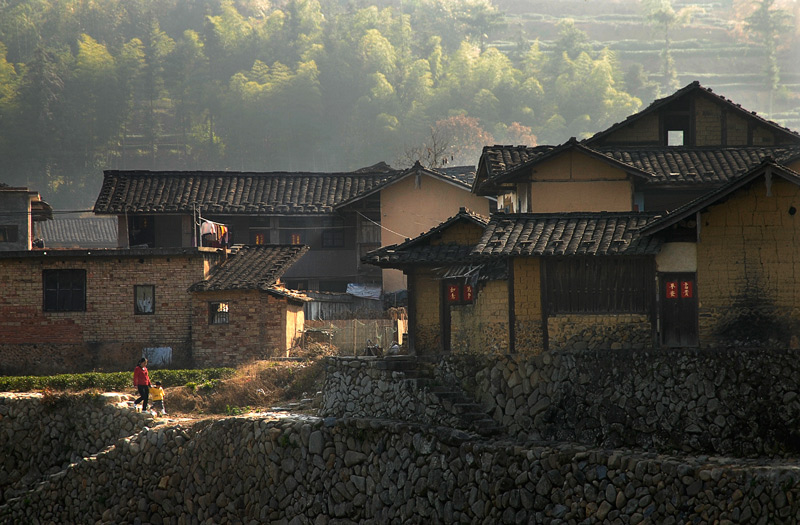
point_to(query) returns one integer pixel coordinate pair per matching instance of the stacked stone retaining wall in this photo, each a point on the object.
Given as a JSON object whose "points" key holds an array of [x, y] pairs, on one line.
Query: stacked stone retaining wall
{"points": [[258, 470], [725, 401], [41, 435]]}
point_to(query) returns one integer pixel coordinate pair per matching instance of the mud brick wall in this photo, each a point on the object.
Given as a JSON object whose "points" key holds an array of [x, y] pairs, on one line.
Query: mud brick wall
{"points": [[259, 325], [747, 268], [482, 326], [426, 312]]}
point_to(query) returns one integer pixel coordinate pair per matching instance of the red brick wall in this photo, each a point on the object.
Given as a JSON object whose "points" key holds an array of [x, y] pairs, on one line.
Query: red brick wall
{"points": [[107, 335]]}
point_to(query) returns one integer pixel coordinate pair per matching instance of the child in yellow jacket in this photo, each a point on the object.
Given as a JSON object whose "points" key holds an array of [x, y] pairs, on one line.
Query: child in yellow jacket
{"points": [[157, 398]]}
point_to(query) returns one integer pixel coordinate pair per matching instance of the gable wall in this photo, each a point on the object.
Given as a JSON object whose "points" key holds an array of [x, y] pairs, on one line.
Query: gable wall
{"points": [[643, 131], [747, 266], [108, 334], [409, 211], [708, 123], [462, 233], [736, 130], [576, 182]]}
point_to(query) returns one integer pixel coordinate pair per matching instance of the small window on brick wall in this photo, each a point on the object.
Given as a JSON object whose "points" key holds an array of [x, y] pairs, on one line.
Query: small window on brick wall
{"points": [[64, 290], [218, 312], [144, 299]]}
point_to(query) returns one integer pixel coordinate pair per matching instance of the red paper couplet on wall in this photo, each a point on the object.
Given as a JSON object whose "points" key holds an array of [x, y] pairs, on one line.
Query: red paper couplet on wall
{"points": [[686, 289], [468, 293], [453, 293], [672, 289]]}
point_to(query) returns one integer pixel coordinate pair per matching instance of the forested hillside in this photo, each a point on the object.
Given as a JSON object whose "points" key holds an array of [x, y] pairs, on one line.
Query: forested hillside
{"points": [[316, 85]]}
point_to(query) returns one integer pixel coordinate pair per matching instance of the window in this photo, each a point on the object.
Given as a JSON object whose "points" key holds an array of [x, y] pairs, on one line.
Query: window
{"points": [[675, 137], [64, 290], [598, 285], [218, 312], [8, 234], [333, 234], [144, 299]]}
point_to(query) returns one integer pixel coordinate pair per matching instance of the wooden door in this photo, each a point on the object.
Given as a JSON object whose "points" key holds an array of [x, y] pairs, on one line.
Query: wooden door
{"points": [[678, 312]]}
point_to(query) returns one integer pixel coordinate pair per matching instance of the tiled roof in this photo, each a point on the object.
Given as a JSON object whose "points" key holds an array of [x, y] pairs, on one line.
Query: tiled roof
{"points": [[499, 159], [418, 250], [462, 174], [390, 257], [233, 193], [87, 232], [694, 87], [690, 208], [685, 165], [252, 268], [533, 234]]}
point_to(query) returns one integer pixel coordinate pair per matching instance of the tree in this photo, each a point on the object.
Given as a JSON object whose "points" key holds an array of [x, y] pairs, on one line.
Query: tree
{"points": [[661, 14], [455, 141], [766, 25]]}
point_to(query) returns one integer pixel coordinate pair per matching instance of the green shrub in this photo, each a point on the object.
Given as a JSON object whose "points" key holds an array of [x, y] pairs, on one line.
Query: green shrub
{"points": [[113, 381]]}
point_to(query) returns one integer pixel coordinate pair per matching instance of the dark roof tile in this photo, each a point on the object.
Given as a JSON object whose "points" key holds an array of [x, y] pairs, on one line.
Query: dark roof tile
{"points": [[566, 234], [252, 268], [232, 193]]}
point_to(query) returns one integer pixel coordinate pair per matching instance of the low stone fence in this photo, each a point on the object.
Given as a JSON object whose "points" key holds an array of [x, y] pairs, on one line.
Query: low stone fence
{"points": [[363, 387], [724, 401], [257, 470], [41, 435]]}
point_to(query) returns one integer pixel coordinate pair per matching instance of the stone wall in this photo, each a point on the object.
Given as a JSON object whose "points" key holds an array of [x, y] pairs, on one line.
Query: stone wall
{"points": [[258, 470], [732, 401], [365, 387], [41, 435], [614, 331]]}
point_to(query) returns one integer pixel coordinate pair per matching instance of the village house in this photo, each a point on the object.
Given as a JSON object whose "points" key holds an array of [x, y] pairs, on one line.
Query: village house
{"points": [[341, 216], [68, 310], [580, 271]]}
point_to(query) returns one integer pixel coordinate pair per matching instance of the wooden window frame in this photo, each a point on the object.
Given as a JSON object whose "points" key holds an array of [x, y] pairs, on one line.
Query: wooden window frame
{"points": [[599, 285], [137, 308], [64, 290]]}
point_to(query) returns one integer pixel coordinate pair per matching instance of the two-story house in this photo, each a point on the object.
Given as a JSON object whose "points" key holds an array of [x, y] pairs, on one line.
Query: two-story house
{"points": [[580, 272]]}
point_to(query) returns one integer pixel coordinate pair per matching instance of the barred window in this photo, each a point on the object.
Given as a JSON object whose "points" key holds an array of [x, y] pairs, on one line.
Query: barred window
{"points": [[64, 290], [218, 312]]}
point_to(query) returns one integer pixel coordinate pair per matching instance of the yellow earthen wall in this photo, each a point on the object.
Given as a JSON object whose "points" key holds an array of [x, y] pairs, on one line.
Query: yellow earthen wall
{"points": [[409, 210], [482, 327], [577, 182], [748, 256], [737, 130], [528, 338], [426, 313]]}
